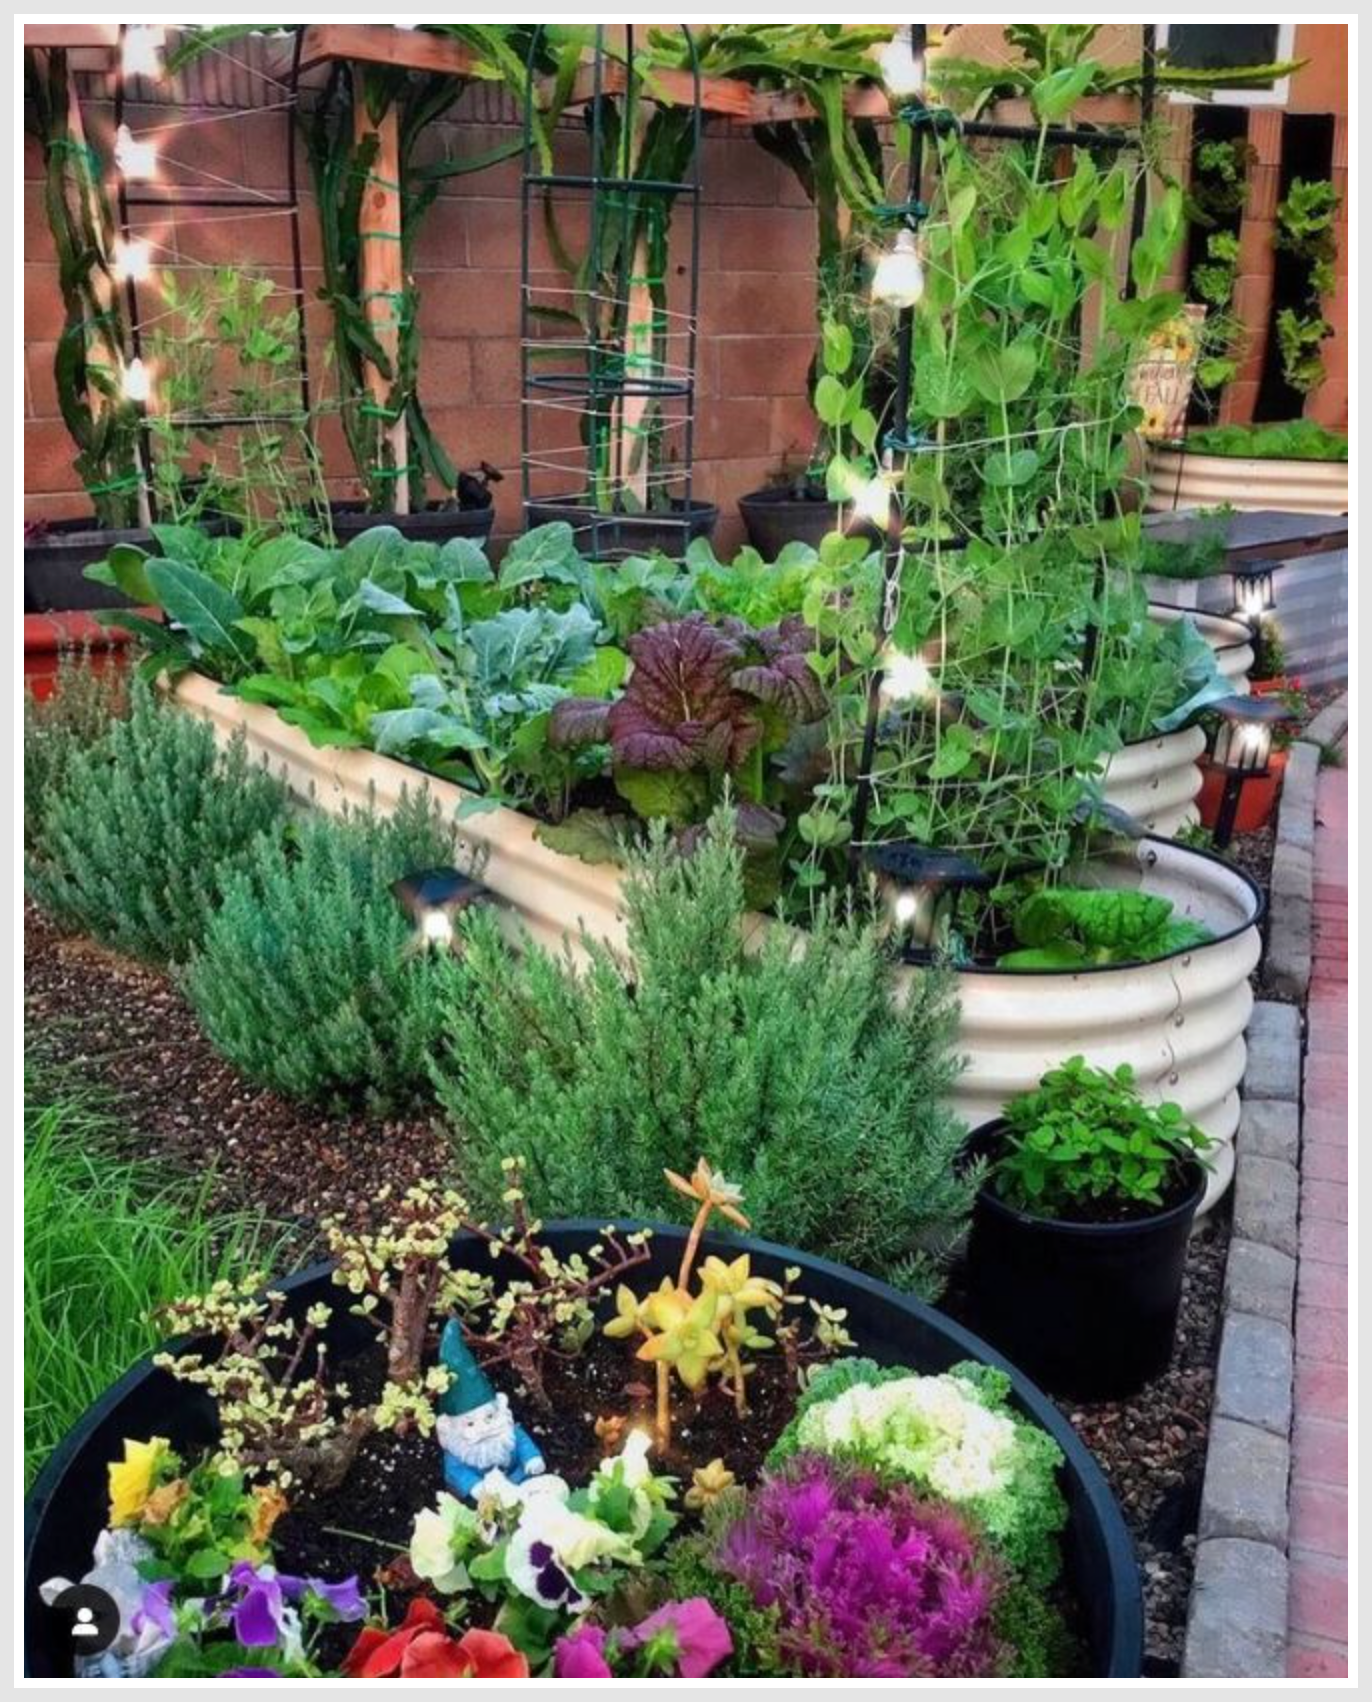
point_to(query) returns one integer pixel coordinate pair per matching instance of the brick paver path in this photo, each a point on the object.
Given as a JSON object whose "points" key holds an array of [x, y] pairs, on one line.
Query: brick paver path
{"points": [[1318, 1611]]}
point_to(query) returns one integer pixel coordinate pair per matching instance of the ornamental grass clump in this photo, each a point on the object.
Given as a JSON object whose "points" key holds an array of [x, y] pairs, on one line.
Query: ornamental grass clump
{"points": [[866, 1579], [819, 1095], [307, 979], [147, 828]]}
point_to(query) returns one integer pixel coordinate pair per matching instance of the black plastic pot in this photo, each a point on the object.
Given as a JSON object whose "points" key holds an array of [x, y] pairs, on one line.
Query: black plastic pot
{"points": [[778, 516], [432, 525], [612, 537], [55, 563], [1089, 1309], [66, 1508]]}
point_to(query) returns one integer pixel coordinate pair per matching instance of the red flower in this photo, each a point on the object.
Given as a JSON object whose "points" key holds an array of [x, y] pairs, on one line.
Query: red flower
{"points": [[422, 1647]]}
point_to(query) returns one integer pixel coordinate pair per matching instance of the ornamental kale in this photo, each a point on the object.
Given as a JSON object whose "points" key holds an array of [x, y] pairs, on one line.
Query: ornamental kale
{"points": [[868, 1580], [1070, 928], [706, 702], [953, 1436]]}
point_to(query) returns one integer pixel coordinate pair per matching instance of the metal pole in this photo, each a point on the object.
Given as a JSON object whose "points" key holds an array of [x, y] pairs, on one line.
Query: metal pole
{"points": [[1229, 810]]}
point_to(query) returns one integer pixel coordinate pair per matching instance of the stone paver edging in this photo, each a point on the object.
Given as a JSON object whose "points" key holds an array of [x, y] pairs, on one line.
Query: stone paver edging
{"points": [[1237, 1623]]}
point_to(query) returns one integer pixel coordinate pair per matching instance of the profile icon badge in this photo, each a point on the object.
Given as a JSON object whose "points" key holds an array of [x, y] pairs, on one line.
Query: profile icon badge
{"points": [[92, 1616]]}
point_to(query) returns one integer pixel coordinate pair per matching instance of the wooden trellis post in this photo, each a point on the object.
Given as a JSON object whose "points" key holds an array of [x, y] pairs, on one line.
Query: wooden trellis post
{"points": [[383, 282]]}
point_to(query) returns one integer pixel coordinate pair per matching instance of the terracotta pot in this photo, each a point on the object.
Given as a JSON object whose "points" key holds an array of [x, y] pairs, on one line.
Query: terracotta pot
{"points": [[1257, 800], [47, 636]]}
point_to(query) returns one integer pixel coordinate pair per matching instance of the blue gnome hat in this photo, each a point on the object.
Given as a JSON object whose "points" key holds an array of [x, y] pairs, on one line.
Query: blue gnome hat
{"points": [[468, 1385]]}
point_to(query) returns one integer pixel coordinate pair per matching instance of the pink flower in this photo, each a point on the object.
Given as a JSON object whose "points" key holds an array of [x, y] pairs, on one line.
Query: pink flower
{"points": [[581, 1655], [690, 1633]]}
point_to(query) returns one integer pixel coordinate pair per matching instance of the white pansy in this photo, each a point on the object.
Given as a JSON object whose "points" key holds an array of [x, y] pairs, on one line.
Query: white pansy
{"points": [[442, 1537]]}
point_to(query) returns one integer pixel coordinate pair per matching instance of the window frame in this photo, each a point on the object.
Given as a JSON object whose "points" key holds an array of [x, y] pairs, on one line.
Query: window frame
{"points": [[1278, 95]]}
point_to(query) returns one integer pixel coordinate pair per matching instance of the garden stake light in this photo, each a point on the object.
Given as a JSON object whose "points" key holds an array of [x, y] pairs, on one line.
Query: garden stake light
{"points": [[1243, 745], [1253, 594], [433, 899], [923, 886]]}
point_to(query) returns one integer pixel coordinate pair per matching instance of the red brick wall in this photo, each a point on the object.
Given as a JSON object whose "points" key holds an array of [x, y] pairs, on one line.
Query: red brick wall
{"points": [[756, 300]]}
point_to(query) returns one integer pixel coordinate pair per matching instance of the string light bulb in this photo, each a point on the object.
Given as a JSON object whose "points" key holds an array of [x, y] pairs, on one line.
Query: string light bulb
{"points": [[904, 677], [136, 382], [132, 260], [137, 161], [872, 501], [143, 44], [902, 64], [898, 280]]}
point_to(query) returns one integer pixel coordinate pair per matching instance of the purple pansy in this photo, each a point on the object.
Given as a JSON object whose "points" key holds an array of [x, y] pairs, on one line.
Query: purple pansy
{"points": [[260, 1614], [155, 1609]]}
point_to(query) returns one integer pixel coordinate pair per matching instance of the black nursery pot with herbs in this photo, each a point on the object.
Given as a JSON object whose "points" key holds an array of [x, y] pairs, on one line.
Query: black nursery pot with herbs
{"points": [[431, 525], [788, 514], [1089, 1309], [613, 537], [66, 1506], [57, 554]]}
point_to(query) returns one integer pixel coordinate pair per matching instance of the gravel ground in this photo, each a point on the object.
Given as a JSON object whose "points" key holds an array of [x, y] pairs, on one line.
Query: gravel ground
{"points": [[128, 1029]]}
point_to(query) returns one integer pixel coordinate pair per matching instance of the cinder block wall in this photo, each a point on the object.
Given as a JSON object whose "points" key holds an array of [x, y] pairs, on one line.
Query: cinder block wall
{"points": [[757, 303]]}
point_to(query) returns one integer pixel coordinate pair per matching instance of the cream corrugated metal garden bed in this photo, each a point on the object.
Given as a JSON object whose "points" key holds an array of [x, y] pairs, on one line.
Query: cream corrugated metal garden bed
{"points": [[1179, 1021], [1182, 479]]}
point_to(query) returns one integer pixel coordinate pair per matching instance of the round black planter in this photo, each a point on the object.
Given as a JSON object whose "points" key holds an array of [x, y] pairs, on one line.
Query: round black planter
{"points": [[612, 537], [432, 525], [66, 1507], [1089, 1309], [776, 517]]}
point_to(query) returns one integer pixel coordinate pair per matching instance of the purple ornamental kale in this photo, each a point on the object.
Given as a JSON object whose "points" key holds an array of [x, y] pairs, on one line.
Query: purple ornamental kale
{"points": [[869, 1580]]}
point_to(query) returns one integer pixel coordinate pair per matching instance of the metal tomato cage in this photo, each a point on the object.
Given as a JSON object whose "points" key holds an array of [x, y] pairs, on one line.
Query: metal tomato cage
{"points": [[607, 360]]}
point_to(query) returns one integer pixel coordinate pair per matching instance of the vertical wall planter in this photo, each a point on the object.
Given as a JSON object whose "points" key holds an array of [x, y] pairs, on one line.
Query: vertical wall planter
{"points": [[1179, 1021]]}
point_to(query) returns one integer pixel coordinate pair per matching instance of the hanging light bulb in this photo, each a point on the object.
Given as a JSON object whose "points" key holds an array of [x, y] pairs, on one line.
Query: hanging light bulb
{"points": [[136, 382], [137, 161], [872, 501], [902, 64], [899, 278], [143, 44], [904, 677], [132, 260]]}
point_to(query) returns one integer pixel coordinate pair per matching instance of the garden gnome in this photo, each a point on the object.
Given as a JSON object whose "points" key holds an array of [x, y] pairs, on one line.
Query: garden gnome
{"points": [[476, 1428]]}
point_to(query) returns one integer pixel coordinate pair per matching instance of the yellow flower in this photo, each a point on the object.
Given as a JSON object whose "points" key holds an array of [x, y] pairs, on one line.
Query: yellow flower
{"points": [[131, 1479], [708, 1483], [736, 1284]]}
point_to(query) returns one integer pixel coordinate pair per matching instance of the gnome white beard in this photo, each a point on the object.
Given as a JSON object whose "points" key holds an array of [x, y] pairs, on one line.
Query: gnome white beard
{"points": [[482, 1437]]}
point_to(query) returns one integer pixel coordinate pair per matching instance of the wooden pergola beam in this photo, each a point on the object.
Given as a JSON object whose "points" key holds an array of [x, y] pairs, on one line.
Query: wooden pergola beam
{"points": [[381, 44], [71, 35], [728, 97]]}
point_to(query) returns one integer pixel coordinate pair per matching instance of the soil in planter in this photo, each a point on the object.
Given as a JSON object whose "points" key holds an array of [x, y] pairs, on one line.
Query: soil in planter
{"points": [[364, 1527]]}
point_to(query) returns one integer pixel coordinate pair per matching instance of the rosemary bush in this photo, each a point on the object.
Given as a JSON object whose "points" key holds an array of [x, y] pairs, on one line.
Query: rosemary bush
{"points": [[145, 829], [58, 728], [306, 979], [792, 1071]]}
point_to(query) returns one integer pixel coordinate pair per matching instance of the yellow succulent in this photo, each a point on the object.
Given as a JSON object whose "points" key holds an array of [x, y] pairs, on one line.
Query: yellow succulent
{"points": [[708, 1483], [133, 1479], [687, 1341], [708, 1188], [739, 1290], [628, 1318]]}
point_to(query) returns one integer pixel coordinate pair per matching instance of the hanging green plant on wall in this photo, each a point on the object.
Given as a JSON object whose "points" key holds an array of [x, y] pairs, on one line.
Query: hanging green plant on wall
{"points": [[1305, 229], [1216, 200]]}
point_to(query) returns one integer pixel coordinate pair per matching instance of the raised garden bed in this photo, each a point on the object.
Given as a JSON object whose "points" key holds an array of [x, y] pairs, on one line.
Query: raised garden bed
{"points": [[1183, 478], [1179, 1021]]}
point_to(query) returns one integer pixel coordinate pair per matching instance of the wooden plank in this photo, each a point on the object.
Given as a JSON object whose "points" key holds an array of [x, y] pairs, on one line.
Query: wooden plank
{"points": [[380, 44], [383, 273], [71, 35], [727, 97]]}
